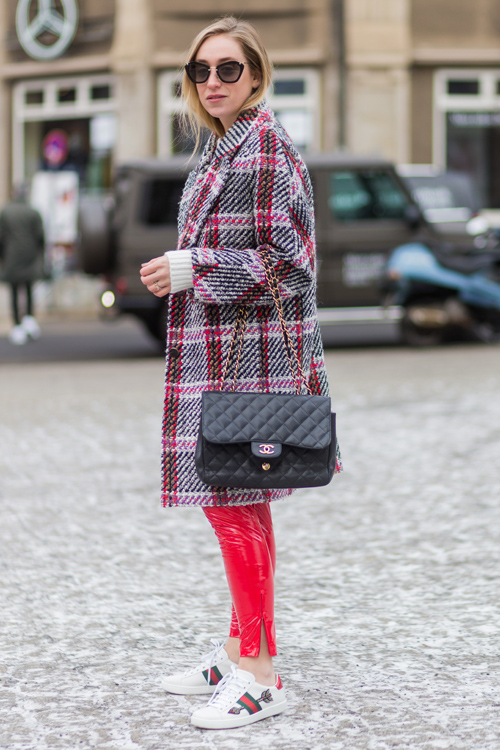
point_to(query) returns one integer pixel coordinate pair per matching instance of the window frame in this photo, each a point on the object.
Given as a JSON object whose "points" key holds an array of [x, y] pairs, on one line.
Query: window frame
{"points": [[52, 109], [487, 100]]}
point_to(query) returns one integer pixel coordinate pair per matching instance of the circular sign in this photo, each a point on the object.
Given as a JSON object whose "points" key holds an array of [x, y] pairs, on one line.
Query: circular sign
{"points": [[61, 27], [55, 148]]}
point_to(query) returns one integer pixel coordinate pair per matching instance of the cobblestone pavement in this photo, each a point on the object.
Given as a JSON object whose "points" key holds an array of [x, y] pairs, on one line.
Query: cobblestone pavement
{"points": [[388, 581]]}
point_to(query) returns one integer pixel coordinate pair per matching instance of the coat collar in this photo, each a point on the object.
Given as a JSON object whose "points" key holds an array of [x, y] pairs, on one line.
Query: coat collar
{"points": [[240, 130], [217, 148]]}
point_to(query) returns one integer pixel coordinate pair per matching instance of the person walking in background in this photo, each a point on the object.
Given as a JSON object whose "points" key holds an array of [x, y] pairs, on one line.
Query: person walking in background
{"points": [[22, 246], [250, 194]]}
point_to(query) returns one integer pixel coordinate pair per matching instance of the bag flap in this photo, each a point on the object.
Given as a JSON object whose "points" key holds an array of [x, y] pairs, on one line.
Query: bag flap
{"points": [[302, 421]]}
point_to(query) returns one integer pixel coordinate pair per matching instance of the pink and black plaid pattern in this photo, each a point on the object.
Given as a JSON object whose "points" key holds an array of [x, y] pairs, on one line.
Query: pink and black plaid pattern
{"points": [[249, 190]]}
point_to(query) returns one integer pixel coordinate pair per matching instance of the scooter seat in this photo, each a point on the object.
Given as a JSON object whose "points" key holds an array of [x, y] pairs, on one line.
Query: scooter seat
{"points": [[466, 264]]}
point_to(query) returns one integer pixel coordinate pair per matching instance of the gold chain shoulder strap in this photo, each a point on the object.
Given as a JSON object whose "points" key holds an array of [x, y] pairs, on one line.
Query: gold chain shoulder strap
{"points": [[290, 349], [239, 330]]}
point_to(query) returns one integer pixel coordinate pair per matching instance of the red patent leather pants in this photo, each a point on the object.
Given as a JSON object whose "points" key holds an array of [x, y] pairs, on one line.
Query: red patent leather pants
{"points": [[246, 538]]}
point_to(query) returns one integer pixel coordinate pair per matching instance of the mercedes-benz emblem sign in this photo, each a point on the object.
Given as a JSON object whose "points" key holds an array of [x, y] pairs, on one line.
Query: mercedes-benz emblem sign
{"points": [[61, 25]]}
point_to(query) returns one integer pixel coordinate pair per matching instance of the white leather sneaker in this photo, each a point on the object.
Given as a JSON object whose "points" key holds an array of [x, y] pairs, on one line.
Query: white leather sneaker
{"points": [[203, 678], [18, 335], [239, 700], [31, 327]]}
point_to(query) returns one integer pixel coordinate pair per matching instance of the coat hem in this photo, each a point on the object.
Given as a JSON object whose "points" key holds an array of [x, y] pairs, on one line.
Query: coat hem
{"points": [[187, 500]]}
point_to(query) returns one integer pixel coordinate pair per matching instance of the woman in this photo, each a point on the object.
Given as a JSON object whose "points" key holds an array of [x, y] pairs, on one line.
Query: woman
{"points": [[250, 192]]}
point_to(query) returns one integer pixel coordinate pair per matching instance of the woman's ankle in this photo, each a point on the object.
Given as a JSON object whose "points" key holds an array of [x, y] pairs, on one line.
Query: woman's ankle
{"points": [[232, 648], [262, 670]]}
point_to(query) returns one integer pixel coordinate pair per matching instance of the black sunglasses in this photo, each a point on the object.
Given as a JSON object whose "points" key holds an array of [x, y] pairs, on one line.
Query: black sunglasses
{"points": [[228, 72]]}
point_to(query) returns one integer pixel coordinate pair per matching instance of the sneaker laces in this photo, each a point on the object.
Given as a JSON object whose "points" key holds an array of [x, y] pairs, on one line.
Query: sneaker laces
{"points": [[207, 661], [229, 690]]}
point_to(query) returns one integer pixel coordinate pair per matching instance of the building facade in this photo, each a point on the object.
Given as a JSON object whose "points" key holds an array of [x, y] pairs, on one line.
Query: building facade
{"points": [[85, 84], [89, 83]]}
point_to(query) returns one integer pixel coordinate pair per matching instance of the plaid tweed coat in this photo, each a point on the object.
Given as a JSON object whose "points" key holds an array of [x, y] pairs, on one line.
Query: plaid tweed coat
{"points": [[250, 190]]}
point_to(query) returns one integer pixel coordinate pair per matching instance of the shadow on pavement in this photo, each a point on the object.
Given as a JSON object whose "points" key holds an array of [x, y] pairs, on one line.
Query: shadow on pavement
{"points": [[77, 341]]}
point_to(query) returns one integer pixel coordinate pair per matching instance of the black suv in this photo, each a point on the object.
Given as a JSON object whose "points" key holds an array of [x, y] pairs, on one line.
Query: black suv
{"points": [[363, 211]]}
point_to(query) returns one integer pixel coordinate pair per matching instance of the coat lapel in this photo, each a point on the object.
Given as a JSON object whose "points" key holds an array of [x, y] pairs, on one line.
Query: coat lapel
{"points": [[212, 170]]}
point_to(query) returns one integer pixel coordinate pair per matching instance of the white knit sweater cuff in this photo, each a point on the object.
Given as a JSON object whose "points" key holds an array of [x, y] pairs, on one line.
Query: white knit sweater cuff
{"points": [[181, 270]]}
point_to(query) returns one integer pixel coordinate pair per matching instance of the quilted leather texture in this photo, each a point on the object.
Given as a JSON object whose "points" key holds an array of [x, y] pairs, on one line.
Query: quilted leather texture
{"points": [[232, 463], [302, 421]]}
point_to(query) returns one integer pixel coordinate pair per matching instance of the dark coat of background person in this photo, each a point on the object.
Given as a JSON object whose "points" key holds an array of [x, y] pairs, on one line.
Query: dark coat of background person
{"points": [[21, 243]]}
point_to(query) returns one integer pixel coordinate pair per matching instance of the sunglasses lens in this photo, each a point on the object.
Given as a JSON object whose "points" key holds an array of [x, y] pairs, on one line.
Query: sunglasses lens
{"points": [[197, 73], [230, 72]]}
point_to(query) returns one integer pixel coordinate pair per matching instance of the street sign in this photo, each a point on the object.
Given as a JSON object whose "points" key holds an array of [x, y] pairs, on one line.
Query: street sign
{"points": [[55, 147]]}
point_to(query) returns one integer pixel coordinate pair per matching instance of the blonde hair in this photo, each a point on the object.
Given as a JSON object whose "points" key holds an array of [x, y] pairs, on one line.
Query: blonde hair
{"points": [[196, 116]]}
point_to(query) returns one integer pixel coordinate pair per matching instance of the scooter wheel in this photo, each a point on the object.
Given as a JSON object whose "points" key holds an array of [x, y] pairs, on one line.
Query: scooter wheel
{"points": [[486, 332], [414, 335]]}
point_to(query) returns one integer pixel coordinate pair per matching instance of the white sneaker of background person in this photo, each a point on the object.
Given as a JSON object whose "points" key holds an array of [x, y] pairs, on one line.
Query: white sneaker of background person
{"points": [[31, 327], [18, 335]]}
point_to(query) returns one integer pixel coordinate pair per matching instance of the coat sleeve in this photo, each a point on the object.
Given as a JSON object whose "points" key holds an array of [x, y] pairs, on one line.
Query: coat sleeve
{"points": [[283, 226]]}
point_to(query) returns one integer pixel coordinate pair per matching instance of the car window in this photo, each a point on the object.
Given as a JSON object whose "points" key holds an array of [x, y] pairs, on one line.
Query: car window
{"points": [[160, 199], [448, 196], [367, 195]]}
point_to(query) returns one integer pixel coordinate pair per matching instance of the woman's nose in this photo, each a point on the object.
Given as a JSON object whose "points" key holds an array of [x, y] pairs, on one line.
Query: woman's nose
{"points": [[213, 78]]}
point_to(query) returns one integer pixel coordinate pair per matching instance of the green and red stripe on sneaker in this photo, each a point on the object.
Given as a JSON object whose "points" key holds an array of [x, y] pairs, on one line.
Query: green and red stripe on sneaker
{"points": [[213, 675], [202, 679]]}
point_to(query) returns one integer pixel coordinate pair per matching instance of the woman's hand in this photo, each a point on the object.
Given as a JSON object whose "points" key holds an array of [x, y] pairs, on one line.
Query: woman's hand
{"points": [[155, 275]]}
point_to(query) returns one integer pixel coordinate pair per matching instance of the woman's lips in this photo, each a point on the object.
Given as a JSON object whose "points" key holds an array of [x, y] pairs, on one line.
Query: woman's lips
{"points": [[215, 98]]}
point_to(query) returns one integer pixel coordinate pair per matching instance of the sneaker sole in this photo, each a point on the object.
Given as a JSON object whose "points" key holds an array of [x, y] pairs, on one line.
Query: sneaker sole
{"points": [[188, 689], [239, 721]]}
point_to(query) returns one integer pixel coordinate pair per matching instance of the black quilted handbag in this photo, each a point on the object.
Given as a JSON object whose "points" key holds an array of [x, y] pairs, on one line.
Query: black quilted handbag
{"points": [[265, 440]]}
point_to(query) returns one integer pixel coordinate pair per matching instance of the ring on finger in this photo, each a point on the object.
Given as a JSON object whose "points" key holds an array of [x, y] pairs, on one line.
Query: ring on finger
{"points": [[158, 287]]}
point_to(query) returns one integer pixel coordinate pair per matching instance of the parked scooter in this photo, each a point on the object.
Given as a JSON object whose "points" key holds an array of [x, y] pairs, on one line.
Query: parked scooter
{"points": [[443, 292]]}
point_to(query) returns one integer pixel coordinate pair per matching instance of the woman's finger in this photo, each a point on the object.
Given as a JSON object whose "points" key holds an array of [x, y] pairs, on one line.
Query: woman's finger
{"points": [[160, 291]]}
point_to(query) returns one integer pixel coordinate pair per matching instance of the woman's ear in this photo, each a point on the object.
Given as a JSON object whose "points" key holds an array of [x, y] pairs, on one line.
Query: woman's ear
{"points": [[256, 80]]}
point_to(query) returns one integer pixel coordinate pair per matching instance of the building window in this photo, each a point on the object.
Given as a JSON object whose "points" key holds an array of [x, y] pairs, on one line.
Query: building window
{"points": [[83, 109], [33, 97], [467, 87], [295, 99], [66, 95], [466, 129], [290, 87], [98, 93]]}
